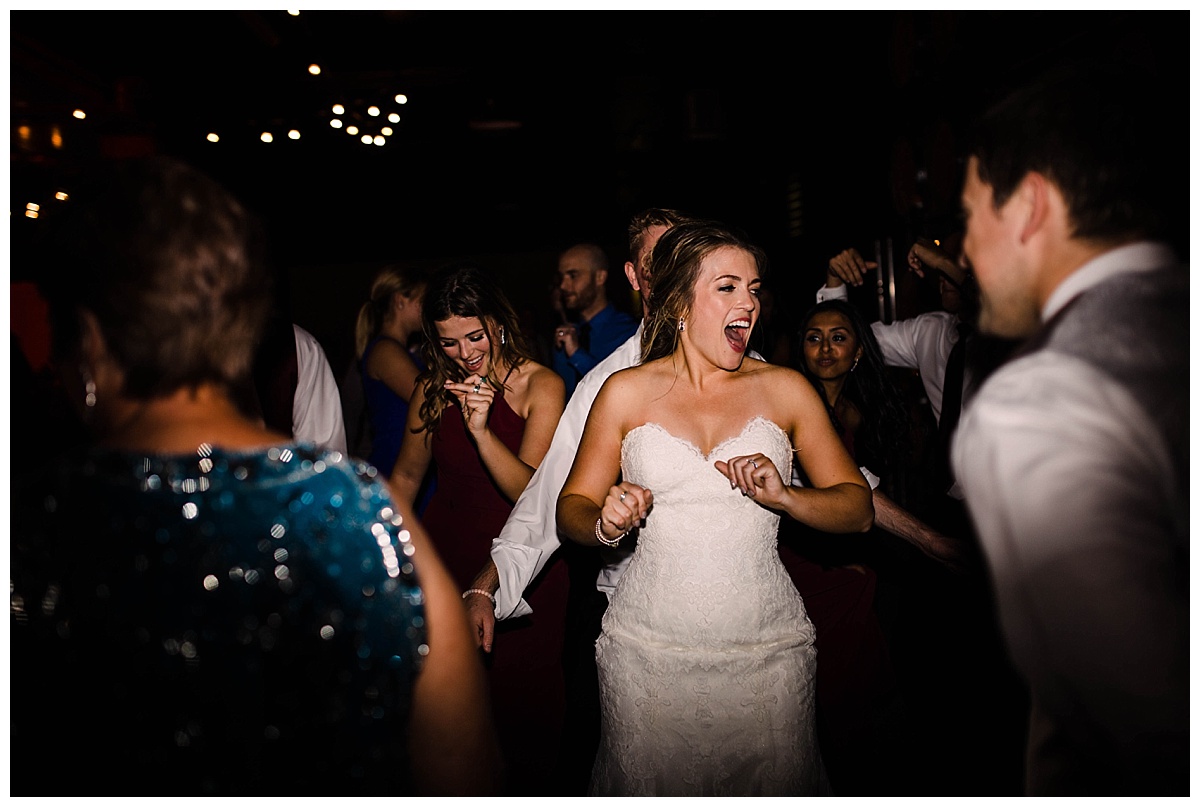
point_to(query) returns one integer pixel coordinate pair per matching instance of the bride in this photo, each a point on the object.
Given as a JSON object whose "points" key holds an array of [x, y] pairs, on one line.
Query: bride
{"points": [[706, 657]]}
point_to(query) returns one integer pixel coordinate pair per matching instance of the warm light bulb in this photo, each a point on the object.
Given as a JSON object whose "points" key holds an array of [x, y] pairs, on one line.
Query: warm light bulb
{"points": [[33, 206], [379, 141], [338, 109], [60, 196], [212, 137], [366, 139], [266, 137], [372, 111], [294, 12], [79, 113], [351, 130], [335, 123], [401, 99], [56, 137], [386, 130], [294, 134], [394, 118], [33, 214], [315, 69]]}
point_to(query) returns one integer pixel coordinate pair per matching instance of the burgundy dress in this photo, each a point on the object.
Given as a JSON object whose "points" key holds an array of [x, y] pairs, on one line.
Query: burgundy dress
{"points": [[525, 671], [855, 679]]}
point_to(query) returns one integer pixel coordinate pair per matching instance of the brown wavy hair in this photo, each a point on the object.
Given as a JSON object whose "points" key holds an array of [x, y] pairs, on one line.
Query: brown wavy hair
{"points": [[465, 290], [674, 268]]}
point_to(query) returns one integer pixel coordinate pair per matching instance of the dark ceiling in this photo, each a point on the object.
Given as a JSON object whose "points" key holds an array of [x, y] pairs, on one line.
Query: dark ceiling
{"points": [[529, 129]]}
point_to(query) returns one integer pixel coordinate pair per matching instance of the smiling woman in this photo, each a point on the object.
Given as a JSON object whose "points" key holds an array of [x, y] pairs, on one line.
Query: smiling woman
{"points": [[704, 691], [484, 413]]}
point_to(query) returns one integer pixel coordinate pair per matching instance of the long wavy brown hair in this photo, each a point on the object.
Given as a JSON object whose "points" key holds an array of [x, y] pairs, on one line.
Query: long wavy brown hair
{"points": [[465, 290]]}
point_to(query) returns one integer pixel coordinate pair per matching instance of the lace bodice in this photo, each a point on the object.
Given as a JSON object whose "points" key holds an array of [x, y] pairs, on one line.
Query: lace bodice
{"points": [[706, 571], [706, 657]]}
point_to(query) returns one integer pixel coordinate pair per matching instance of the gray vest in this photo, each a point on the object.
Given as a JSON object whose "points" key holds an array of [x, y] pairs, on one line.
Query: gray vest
{"points": [[1134, 328]]}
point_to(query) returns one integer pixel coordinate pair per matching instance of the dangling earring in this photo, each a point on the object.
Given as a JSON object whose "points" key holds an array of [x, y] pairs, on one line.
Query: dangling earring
{"points": [[89, 388], [502, 339], [852, 366], [681, 323]]}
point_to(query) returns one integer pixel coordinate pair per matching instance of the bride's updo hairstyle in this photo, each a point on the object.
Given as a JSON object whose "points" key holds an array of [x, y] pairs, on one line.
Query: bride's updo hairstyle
{"points": [[169, 264], [674, 269]]}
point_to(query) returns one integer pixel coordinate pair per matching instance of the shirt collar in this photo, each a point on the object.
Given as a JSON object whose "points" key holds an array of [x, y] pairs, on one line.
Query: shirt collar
{"points": [[1141, 256]]}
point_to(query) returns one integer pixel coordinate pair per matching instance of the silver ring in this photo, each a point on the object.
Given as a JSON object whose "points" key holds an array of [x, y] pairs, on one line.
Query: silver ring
{"points": [[622, 496], [476, 389], [755, 464]]}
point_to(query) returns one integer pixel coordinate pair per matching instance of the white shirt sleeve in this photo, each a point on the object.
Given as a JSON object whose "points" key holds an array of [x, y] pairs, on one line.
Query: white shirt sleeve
{"points": [[530, 536], [1069, 487], [317, 406]]}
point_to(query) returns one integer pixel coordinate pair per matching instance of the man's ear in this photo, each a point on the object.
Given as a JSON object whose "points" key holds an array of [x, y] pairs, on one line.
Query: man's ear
{"points": [[632, 276], [1033, 193], [601, 277]]}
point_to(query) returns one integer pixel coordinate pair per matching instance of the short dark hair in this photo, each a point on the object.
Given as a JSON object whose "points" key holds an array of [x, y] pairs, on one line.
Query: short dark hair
{"points": [[170, 265], [1093, 129]]}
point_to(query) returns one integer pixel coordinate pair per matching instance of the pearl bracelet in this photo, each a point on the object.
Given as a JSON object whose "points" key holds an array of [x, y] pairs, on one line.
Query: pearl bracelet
{"points": [[604, 539], [471, 591]]}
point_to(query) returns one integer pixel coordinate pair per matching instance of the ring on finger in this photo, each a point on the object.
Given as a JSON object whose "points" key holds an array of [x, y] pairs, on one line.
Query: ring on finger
{"points": [[622, 496], [755, 464], [475, 389]]}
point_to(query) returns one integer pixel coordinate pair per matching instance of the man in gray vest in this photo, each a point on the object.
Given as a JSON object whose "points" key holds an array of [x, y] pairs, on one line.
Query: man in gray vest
{"points": [[1074, 455]]}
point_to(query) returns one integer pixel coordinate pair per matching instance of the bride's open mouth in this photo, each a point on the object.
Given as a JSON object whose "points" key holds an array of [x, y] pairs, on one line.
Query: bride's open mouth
{"points": [[737, 333]]}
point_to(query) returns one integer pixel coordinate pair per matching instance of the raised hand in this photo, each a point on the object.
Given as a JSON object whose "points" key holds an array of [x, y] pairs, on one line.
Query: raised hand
{"points": [[756, 476], [475, 397], [625, 507], [848, 267]]}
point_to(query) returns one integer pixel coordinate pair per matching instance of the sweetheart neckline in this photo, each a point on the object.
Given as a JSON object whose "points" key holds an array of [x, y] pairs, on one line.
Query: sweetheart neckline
{"points": [[719, 445]]}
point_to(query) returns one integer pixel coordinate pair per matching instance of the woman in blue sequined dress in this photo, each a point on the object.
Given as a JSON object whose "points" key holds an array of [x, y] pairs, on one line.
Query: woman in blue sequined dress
{"points": [[200, 607]]}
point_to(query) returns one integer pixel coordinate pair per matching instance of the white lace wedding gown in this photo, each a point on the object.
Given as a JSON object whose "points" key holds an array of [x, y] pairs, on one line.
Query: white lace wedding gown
{"points": [[706, 656]]}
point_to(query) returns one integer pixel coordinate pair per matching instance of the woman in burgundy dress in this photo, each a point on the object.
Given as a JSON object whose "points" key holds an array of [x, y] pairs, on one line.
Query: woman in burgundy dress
{"points": [[484, 413]]}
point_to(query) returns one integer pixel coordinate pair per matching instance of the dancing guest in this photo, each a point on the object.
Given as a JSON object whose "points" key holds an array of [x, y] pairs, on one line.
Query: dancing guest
{"points": [[599, 327], [483, 414], [1075, 454], [201, 606], [388, 324], [706, 655]]}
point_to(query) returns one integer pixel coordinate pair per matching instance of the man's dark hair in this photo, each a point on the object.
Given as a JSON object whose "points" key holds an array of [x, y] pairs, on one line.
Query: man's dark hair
{"points": [[1100, 133]]}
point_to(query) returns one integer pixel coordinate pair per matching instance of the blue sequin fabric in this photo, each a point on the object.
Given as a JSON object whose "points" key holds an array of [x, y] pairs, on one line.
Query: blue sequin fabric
{"points": [[220, 623]]}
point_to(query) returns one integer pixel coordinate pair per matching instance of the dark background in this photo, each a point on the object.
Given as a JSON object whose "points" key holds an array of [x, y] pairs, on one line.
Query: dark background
{"points": [[527, 131]]}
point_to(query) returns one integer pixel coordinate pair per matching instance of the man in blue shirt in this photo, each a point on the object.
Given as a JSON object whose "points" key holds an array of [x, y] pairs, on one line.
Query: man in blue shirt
{"points": [[599, 328]]}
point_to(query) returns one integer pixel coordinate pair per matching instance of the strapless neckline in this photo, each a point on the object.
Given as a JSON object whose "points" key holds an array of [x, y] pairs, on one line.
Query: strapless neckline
{"points": [[698, 451]]}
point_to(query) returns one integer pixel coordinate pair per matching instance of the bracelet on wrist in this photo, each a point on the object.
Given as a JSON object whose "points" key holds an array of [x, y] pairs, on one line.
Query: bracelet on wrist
{"points": [[604, 539], [480, 591]]}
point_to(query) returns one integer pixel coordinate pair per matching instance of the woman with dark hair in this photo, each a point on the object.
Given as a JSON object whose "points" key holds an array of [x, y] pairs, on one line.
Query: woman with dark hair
{"points": [[705, 657], [844, 363], [483, 414], [199, 605]]}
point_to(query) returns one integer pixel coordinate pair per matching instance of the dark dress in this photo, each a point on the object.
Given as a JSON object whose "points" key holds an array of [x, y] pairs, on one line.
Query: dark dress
{"points": [[388, 413], [855, 682], [216, 623], [525, 666]]}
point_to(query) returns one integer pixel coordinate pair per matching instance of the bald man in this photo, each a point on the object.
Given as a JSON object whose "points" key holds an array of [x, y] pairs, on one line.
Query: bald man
{"points": [[596, 328]]}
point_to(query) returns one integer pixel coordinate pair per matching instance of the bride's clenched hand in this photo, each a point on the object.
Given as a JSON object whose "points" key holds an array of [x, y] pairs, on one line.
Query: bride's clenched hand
{"points": [[625, 506], [756, 476]]}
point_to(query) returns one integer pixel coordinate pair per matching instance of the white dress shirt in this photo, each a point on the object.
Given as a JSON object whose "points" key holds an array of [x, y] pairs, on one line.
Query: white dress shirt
{"points": [[317, 404], [1069, 484], [922, 343], [530, 536]]}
